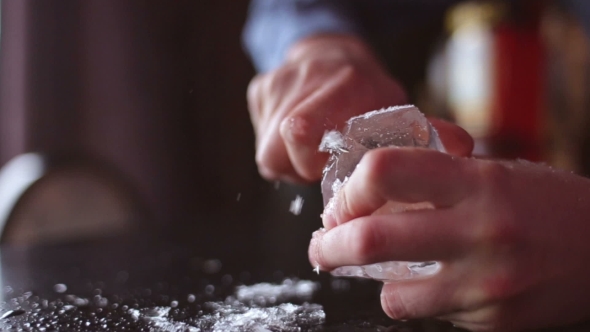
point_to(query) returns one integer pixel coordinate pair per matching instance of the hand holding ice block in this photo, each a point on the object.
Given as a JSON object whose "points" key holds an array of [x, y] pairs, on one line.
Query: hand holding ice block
{"points": [[402, 126]]}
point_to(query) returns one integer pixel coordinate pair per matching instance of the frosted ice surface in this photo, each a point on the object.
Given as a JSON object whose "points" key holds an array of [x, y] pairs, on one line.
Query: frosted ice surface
{"points": [[402, 126]]}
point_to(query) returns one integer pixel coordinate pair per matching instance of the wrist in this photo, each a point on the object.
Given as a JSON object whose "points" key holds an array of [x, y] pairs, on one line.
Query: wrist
{"points": [[340, 46]]}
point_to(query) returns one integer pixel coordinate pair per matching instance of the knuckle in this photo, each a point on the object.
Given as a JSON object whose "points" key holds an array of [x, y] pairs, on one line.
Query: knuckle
{"points": [[318, 65], [504, 234], [350, 73], [367, 242], [499, 287], [275, 82], [254, 88], [374, 161], [311, 67], [393, 303], [378, 163], [493, 173], [500, 230], [298, 130], [267, 166]]}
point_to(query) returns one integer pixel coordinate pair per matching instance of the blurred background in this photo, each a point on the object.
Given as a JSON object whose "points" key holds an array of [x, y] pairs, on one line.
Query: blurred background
{"points": [[135, 112]]}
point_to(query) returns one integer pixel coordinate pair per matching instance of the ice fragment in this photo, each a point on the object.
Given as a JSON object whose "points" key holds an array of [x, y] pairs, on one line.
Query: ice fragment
{"points": [[296, 205], [317, 269]]}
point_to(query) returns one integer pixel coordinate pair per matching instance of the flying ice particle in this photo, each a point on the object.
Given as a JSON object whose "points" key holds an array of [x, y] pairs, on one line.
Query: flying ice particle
{"points": [[60, 288], [296, 205]]}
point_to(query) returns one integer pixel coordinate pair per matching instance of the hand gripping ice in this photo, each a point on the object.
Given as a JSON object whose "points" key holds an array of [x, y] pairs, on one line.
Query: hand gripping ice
{"points": [[402, 126]]}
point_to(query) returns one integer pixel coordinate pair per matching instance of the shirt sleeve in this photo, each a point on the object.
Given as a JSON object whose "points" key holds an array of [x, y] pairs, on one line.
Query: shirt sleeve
{"points": [[274, 25]]}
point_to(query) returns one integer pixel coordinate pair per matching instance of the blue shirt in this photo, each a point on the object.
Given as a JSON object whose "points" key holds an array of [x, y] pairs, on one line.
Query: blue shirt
{"points": [[274, 25]]}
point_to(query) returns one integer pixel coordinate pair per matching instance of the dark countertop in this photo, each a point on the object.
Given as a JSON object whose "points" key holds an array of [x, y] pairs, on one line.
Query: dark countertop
{"points": [[104, 285]]}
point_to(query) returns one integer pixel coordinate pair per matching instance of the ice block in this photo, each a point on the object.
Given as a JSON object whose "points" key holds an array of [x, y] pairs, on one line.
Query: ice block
{"points": [[401, 126]]}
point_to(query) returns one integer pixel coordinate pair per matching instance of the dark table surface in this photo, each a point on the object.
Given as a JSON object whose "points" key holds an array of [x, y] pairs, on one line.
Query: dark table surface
{"points": [[114, 284]]}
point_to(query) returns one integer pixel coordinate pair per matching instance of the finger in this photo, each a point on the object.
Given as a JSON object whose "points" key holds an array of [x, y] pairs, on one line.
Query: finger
{"points": [[407, 175], [303, 129], [473, 320], [454, 138], [272, 158], [325, 109], [253, 96], [421, 298], [425, 235], [270, 152]]}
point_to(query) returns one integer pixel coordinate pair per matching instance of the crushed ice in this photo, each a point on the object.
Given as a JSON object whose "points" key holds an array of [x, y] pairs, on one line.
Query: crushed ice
{"points": [[254, 308], [332, 141], [265, 293], [251, 309]]}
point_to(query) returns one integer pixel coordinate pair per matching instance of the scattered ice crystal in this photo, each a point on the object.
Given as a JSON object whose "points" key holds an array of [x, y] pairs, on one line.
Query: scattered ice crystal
{"points": [[28, 312], [238, 313], [401, 126], [317, 269], [77, 301], [12, 313], [289, 289], [340, 285], [158, 318], [285, 317], [212, 266], [60, 288], [296, 205], [209, 289], [100, 301]]}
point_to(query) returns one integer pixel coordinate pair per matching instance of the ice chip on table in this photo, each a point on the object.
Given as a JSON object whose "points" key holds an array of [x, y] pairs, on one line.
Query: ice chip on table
{"points": [[402, 126]]}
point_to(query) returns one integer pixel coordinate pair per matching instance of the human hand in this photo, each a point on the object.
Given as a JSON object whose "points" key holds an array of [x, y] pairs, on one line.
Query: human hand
{"points": [[512, 238], [325, 81]]}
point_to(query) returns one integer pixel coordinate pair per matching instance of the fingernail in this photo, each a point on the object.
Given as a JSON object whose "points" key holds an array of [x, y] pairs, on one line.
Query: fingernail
{"points": [[314, 245]]}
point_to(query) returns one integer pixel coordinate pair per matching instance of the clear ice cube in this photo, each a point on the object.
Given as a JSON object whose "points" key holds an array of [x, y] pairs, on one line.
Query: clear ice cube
{"points": [[403, 126]]}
